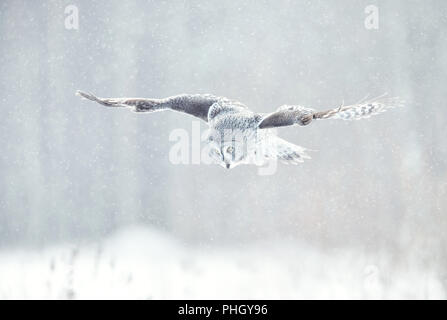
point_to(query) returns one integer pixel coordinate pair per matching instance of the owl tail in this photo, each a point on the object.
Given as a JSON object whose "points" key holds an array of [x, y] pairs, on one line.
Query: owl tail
{"points": [[287, 152], [361, 110]]}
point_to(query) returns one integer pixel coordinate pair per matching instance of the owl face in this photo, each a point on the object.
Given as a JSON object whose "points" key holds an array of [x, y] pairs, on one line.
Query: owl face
{"points": [[229, 152]]}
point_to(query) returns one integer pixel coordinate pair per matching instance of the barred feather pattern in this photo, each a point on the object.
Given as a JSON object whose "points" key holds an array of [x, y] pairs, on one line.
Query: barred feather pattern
{"points": [[289, 153], [360, 110]]}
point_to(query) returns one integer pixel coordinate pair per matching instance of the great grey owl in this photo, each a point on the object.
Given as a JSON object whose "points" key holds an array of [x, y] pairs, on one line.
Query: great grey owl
{"points": [[238, 135]]}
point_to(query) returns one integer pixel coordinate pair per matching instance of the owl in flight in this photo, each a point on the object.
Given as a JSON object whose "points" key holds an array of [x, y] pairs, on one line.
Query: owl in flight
{"points": [[238, 135]]}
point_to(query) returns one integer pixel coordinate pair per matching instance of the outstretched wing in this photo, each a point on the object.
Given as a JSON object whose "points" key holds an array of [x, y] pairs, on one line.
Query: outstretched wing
{"points": [[196, 105], [296, 115], [360, 110], [287, 116]]}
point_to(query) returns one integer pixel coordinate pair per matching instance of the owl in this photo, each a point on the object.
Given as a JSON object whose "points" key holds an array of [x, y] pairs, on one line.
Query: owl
{"points": [[238, 135]]}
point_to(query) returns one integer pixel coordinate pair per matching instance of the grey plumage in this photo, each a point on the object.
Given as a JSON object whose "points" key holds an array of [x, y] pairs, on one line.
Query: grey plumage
{"points": [[194, 104], [238, 135]]}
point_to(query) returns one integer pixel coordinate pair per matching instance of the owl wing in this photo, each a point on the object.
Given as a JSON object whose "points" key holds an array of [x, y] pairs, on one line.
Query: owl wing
{"points": [[287, 115], [196, 105], [297, 115]]}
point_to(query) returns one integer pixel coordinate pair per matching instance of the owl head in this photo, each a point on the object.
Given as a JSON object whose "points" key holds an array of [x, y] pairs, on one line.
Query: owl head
{"points": [[228, 149]]}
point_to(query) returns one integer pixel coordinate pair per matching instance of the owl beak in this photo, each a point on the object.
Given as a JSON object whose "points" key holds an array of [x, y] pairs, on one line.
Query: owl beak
{"points": [[228, 166]]}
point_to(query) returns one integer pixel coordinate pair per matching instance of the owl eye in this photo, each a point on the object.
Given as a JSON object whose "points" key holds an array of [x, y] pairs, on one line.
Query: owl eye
{"points": [[216, 152], [230, 149]]}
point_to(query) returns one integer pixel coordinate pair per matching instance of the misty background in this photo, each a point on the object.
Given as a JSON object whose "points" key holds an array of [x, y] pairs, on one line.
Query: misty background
{"points": [[80, 183]]}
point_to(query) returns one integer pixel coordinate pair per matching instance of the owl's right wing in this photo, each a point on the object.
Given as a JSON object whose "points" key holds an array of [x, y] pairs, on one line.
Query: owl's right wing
{"points": [[297, 115], [196, 105]]}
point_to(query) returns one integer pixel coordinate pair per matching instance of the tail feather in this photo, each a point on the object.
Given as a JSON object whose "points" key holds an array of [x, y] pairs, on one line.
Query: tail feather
{"points": [[361, 110], [289, 153]]}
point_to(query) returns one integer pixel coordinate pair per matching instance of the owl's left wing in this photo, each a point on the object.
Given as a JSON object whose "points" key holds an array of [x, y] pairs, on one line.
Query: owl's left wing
{"points": [[297, 115]]}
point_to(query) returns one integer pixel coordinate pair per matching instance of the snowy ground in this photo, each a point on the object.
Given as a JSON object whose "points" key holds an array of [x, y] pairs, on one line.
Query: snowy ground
{"points": [[146, 264]]}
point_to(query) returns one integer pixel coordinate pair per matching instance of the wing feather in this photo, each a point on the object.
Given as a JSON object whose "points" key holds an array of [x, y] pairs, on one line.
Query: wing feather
{"points": [[297, 115], [196, 105]]}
